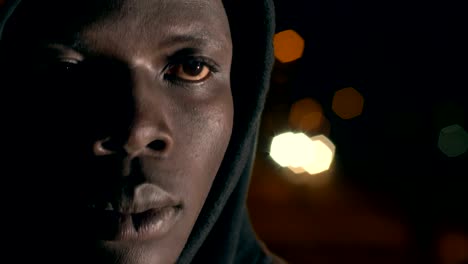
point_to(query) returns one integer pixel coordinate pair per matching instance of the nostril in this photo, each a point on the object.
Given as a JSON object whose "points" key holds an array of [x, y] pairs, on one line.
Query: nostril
{"points": [[157, 145], [112, 145]]}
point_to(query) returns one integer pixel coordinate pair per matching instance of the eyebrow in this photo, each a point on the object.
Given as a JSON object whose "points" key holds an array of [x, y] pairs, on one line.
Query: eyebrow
{"points": [[197, 41], [193, 40]]}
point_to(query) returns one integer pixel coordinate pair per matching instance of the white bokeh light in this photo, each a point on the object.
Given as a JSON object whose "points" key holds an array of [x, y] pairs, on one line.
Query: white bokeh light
{"points": [[323, 155], [298, 151], [280, 148], [301, 151]]}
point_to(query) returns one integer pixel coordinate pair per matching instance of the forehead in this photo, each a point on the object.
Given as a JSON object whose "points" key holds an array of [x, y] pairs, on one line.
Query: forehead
{"points": [[149, 21], [156, 14], [126, 19]]}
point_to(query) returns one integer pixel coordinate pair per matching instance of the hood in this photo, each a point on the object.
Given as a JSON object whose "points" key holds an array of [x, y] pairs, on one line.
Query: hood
{"points": [[222, 233], [223, 224]]}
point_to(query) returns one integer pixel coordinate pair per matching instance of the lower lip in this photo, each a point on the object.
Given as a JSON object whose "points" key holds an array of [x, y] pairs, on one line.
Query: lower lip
{"points": [[151, 224]]}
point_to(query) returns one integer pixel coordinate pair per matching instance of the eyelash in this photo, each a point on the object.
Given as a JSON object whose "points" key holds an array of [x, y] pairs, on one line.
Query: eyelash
{"points": [[62, 67], [69, 65], [205, 62]]}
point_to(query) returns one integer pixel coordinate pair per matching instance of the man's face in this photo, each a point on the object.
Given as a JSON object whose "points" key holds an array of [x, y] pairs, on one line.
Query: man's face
{"points": [[135, 113]]}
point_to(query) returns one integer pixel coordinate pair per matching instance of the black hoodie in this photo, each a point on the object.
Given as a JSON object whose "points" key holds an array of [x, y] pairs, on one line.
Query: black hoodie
{"points": [[223, 233]]}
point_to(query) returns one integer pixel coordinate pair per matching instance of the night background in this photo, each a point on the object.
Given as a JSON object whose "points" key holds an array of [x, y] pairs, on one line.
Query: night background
{"points": [[385, 81], [389, 80]]}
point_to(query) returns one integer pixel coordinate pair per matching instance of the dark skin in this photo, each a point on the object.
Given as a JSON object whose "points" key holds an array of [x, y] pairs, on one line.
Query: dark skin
{"points": [[140, 97]]}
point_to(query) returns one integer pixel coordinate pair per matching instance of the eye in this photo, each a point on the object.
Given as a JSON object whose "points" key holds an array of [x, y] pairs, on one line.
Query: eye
{"points": [[64, 67], [192, 70]]}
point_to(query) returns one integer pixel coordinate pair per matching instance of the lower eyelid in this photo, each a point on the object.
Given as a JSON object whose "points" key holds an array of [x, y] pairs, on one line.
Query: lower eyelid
{"points": [[184, 82], [69, 60]]}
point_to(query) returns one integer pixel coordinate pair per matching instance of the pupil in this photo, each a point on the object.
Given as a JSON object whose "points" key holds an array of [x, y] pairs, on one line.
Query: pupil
{"points": [[193, 68]]}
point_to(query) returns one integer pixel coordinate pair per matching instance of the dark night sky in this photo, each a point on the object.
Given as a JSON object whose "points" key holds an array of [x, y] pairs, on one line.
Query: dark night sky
{"points": [[407, 60]]}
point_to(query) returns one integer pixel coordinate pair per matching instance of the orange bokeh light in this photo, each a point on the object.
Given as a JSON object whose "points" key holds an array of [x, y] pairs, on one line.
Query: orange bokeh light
{"points": [[289, 46], [348, 103], [306, 115], [453, 248]]}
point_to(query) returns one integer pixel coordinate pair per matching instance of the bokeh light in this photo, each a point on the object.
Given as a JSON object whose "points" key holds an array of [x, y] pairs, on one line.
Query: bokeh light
{"points": [[303, 154], [453, 248], [291, 149], [289, 46], [323, 155], [348, 103], [2, 2], [306, 115], [281, 148], [297, 170], [453, 140]]}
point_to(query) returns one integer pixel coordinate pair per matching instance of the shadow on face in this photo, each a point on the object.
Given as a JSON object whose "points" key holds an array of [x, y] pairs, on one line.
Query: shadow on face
{"points": [[126, 113]]}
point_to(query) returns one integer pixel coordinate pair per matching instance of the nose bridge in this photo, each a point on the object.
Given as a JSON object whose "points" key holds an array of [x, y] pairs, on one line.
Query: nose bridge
{"points": [[149, 123], [138, 119]]}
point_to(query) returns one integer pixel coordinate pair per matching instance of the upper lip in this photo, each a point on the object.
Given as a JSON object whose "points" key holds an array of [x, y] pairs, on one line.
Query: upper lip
{"points": [[145, 197]]}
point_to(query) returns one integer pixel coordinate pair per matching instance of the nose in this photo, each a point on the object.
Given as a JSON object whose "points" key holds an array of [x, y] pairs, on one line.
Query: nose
{"points": [[142, 141], [147, 131]]}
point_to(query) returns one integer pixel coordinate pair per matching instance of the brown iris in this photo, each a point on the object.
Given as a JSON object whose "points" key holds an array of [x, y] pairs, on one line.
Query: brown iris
{"points": [[191, 70]]}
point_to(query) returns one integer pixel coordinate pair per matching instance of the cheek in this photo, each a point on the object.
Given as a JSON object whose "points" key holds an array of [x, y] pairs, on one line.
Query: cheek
{"points": [[205, 131], [204, 124], [210, 135]]}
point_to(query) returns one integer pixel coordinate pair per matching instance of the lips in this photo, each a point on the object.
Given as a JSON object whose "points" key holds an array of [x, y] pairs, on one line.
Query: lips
{"points": [[149, 214], [151, 224]]}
